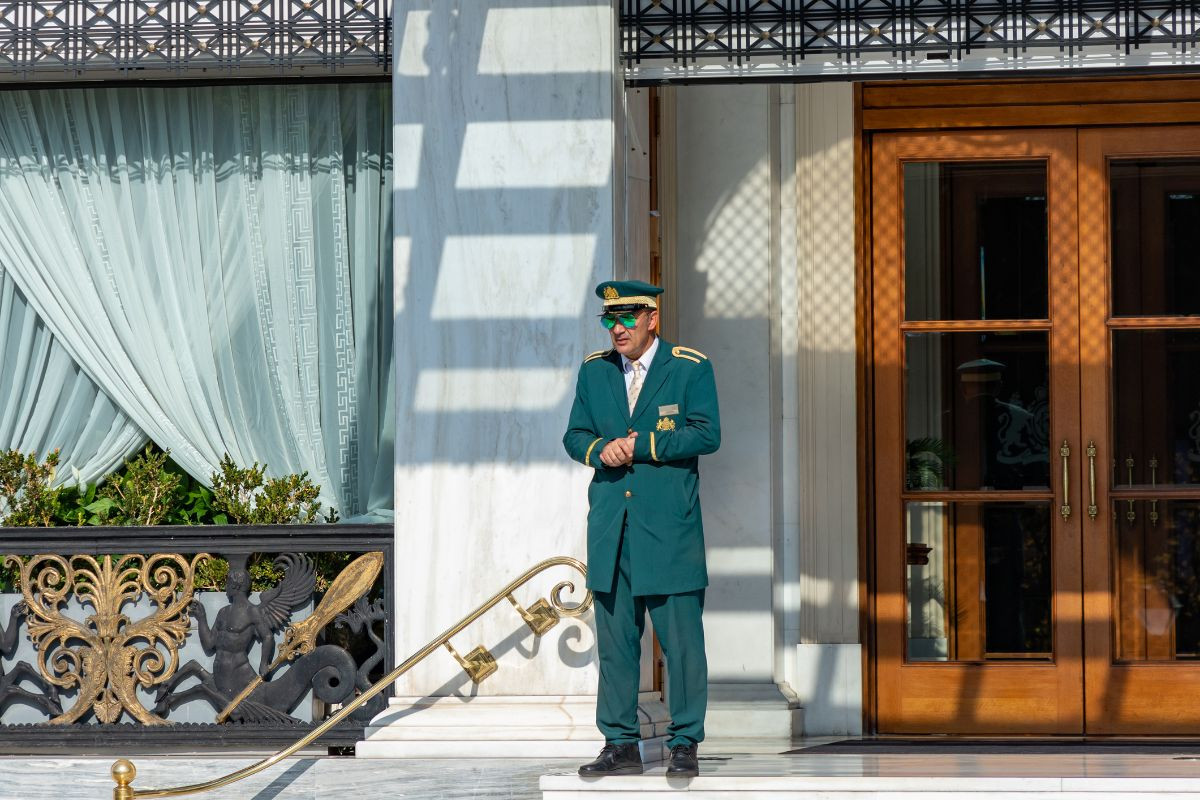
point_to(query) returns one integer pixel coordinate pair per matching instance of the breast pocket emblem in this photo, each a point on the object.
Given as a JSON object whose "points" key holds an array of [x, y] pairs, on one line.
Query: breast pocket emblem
{"points": [[665, 424]]}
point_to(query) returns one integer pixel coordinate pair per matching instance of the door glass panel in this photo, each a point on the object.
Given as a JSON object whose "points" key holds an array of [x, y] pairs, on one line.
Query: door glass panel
{"points": [[975, 240], [1155, 237], [1157, 566], [977, 411], [978, 581], [1156, 407]]}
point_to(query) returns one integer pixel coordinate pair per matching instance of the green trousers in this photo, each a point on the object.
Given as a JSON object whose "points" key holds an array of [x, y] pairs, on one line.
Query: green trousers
{"points": [[620, 621]]}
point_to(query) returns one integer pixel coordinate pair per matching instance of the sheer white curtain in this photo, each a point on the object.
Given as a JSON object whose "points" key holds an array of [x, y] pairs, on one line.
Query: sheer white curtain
{"points": [[217, 260], [47, 403]]}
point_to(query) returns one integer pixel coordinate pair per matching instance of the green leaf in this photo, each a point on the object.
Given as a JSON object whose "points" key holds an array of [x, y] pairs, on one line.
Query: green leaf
{"points": [[101, 506]]}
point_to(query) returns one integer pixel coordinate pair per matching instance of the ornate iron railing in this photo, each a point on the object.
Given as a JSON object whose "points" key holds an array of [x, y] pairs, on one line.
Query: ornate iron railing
{"points": [[59, 38], [109, 640], [740, 31], [541, 616]]}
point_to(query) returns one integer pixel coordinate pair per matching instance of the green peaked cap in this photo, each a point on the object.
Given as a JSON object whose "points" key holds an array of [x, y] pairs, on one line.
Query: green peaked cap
{"points": [[628, 295]]}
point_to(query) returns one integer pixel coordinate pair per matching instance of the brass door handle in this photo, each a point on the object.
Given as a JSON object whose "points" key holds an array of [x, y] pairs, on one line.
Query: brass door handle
{"points": [[1093, 509], [1130, 515], [1065, 508], [1154, 482]]}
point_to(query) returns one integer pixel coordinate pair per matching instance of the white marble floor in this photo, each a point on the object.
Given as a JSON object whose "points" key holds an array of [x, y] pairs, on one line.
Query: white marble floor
{"points": [[744, 771], [994, 776], [30, 778]]}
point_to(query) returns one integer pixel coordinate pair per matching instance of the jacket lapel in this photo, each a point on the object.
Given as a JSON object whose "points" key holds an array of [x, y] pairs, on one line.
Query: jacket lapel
{"points": [[616, 382], [654, 378]]}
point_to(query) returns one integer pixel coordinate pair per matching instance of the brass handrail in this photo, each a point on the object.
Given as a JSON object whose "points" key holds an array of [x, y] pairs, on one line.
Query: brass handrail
{"points": [[123, 771]]}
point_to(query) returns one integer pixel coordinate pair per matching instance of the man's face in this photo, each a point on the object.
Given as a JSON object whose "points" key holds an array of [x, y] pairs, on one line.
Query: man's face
{"points": [[631, 342]]}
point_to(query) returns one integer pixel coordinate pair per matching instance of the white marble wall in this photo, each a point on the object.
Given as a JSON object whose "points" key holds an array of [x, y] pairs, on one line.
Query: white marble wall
{"points": [[504, 224], [637, 206], [723, 191]]}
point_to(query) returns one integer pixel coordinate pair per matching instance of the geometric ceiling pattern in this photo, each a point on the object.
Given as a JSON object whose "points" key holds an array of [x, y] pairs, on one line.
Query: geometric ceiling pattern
{"points": [[744, 31], [45, 38]]}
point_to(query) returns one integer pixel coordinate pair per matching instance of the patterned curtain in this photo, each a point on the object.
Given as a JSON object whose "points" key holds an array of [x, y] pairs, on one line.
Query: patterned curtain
{"points": [[47, 403], [218, 261]]}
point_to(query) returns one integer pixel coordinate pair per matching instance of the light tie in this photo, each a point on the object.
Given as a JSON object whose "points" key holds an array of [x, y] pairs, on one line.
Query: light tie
{"points": [[635, 385]]}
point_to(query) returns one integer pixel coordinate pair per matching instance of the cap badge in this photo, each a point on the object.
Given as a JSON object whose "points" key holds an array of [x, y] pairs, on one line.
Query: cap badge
{"points": [[610, 293]]}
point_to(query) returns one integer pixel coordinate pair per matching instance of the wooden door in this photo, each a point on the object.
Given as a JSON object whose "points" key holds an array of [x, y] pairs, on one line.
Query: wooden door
{"points": [[978, 604], [1139, 198]]}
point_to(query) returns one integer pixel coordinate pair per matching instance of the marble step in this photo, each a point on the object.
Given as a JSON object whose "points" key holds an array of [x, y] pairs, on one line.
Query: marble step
{"points": [[993, 777], [550, 726], [656, 785]]}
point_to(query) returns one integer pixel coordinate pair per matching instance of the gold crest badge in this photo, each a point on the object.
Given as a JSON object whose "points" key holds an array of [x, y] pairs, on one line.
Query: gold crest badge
{"points": [[665, 424], [610, 293]]}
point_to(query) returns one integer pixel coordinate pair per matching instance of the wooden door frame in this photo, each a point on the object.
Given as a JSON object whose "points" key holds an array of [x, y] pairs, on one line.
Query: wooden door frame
{"points": [[1103, 670], [1059, 679], [883, 106]]}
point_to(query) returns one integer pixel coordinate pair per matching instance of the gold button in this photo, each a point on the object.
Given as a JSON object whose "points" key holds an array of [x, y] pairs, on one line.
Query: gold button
{"points": [[628, 493]]}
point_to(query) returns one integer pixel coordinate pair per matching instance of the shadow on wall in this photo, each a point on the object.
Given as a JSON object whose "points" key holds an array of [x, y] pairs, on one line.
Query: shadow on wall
{"points": [[495, 272], [723, 234], [522, 642]]}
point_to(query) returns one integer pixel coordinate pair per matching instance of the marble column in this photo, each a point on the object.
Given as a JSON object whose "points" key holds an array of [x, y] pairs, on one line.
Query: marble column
{"points": [[504, 162], [827, 672]]}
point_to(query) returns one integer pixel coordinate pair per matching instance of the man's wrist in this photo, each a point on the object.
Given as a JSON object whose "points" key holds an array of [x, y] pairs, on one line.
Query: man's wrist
{"points": [[641, 447], [593, 449]]}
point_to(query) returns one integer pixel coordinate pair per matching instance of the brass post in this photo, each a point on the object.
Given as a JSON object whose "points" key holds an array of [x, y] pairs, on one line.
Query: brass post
{"points": [[479, 664], [540, 617], [123, 772]]}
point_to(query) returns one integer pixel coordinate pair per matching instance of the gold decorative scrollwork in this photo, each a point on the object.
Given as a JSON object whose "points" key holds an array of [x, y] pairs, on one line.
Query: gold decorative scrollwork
{"points": [[107, 655]]}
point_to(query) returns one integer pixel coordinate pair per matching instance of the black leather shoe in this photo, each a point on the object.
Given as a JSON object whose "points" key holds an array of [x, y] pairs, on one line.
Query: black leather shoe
{"points": [[683, 762], [615, 759]]}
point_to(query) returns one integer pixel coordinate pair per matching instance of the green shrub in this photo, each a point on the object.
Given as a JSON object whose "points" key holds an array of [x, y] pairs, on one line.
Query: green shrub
{"points": [[248, 497], [141, 494], [151, 489], [210, 574], [77, 506], [26, 497]]}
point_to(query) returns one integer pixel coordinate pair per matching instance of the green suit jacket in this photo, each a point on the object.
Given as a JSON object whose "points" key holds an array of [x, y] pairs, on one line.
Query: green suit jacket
{"points": [[677, 421]]}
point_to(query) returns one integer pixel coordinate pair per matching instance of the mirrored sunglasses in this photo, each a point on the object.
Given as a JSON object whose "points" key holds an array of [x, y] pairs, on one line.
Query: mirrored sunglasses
{"points": [[628, 320]]}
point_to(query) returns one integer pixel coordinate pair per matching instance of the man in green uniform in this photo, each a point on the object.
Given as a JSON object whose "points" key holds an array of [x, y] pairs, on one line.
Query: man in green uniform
{"points": [[644, 412]]}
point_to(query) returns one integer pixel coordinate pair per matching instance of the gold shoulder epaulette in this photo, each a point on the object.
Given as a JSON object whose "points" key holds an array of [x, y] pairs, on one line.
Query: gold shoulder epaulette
{"points": [[595, 355], [688, 353]]}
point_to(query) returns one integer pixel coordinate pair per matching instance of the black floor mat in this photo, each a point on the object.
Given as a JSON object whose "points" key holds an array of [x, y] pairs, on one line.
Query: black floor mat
{"points": [[936, 746]]}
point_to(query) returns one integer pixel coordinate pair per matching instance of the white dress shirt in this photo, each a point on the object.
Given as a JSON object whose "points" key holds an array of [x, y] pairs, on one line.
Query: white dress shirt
{"points": [[645, 361]]}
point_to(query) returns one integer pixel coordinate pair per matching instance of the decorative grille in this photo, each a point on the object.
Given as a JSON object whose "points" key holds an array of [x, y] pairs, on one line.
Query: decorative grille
{"points": [[738, 31], [74, 674], [39, 37]]}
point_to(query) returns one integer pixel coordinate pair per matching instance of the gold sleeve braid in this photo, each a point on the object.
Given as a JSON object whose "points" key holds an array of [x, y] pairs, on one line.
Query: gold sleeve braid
{"points": [[653, 452], [587, 459]]}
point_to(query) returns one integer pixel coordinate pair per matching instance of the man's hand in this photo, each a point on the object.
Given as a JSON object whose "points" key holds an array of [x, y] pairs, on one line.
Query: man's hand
{"points": [[618, 452]]}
